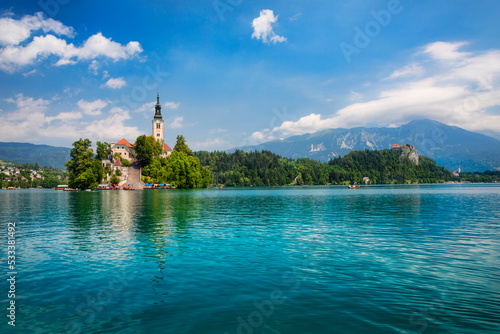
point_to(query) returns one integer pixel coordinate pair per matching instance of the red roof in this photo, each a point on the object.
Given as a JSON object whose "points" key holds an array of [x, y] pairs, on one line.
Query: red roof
{"points": [[166, 147], [117, 162], [123, 141]]}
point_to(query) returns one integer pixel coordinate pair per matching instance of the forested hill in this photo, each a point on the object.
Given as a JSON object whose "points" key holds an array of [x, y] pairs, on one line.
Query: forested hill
{"points": [[387, 166], [449, 146], [44, 155], [268, 169]]}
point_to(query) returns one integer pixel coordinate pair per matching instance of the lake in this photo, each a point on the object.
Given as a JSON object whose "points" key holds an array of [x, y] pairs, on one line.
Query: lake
{"points": [[380, 259]]}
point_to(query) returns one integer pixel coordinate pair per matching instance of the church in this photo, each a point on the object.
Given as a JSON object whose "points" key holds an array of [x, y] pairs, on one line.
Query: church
{"points": [[127, 150]]}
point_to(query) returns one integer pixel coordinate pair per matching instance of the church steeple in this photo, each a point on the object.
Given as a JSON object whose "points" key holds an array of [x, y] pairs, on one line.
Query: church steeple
{"points": [[158, 121], [158, 107]]}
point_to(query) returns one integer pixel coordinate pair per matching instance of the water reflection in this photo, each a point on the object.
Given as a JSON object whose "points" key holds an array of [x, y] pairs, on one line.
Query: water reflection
{"points": [[195, 261]]}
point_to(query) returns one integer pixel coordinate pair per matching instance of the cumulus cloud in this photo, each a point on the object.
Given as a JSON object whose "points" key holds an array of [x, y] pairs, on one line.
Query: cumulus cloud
{"points": [[464, 90], [113, 127], [13, 32], [445, 50], [116, 83], [92, 108], [29, 122], [263, 27], [14, 56]]}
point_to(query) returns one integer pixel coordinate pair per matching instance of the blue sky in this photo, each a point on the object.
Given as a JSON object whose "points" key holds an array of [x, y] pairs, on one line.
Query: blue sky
{"points": [[233, 73]]}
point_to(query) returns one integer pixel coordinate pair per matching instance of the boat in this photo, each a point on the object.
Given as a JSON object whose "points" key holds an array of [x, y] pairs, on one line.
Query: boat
{"points": [[128, 187], [11, 188], [70, 189], [353, 187]]}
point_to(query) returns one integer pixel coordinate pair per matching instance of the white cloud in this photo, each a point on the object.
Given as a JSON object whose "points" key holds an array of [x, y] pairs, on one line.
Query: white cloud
{"points": [[92, 108], [176, 123], [94, 67], [112, 128], [263, 27], [147, 107], [463, 91], [28, 122], [262, 136], [412, 69], [13, 56], [116, 83], [171, 105], [13, 32], [445, 50], [27, 74]]}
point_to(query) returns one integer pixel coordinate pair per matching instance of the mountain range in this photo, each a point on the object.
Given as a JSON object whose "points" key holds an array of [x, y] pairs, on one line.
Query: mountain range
{"points": [[450, 146]]}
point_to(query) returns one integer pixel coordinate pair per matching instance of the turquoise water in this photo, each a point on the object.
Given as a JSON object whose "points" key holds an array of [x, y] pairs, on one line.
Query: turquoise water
{"points": [[388, 259]]}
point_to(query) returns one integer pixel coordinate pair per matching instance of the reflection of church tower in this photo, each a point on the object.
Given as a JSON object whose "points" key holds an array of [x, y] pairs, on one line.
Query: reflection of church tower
{"points": [[158, 121]]}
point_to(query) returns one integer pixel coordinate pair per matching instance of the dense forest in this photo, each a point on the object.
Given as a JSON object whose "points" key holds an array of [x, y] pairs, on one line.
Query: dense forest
{"points": [[381, 167]]}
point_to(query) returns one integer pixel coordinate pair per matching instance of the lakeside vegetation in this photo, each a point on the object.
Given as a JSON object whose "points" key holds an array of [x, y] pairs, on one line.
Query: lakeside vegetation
{"points": [[186, 169], [182, 168], [26, 175], [381, 167]]}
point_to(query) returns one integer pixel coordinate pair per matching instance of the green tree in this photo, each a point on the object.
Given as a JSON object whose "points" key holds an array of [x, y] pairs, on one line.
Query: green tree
{"points": [[103, 150], [84, 171], [125, 162], [183, 169], [181, 146], [186, 171], [114, 180], [147, 148]]}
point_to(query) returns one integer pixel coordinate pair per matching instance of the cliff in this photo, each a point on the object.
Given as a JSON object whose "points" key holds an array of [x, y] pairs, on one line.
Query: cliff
{"points": [[407, 151]]}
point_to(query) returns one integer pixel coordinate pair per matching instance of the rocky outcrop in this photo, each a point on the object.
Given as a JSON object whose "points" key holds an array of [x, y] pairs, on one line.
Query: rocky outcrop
{"points": [[407, 152]]}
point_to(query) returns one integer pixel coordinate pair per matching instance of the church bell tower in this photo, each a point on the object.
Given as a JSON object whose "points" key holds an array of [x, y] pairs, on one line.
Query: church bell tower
{"points": [[158, 121]]}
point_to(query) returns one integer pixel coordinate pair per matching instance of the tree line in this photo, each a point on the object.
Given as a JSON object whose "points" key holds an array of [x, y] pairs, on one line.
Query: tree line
{"points": [[269, 169]]}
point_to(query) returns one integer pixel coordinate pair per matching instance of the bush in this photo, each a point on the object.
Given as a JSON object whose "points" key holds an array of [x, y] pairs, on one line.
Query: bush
{"points": [[114, 179], [125, 162]]}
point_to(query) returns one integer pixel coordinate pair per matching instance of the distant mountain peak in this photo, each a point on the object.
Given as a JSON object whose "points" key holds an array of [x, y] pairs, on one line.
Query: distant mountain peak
{"points": [[449, 146]]}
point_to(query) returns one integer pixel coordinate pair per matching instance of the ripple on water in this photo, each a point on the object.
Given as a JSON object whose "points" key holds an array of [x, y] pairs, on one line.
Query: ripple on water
{"points": [[388, 259]]}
